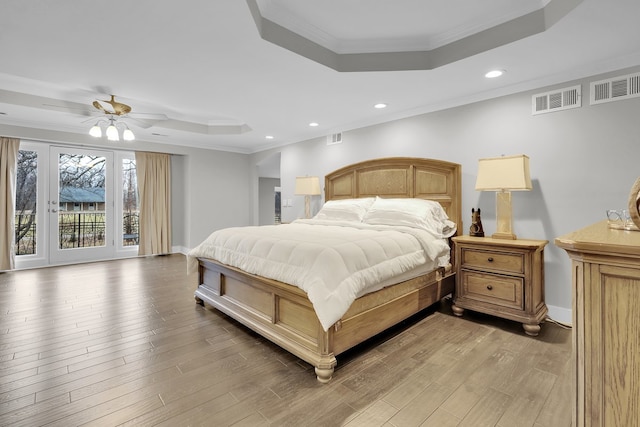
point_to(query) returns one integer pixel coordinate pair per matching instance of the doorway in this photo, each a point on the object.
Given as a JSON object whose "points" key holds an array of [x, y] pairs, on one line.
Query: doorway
{"points": [[269, 201]]}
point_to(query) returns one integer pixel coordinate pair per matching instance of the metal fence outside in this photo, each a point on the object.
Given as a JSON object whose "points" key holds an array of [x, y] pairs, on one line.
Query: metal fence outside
{"points": [[81, 230], [25, 234], [75, 230]]}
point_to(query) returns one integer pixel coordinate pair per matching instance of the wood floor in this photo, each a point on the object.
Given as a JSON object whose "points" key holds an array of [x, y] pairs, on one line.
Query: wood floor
{"points": [[124, 343]]}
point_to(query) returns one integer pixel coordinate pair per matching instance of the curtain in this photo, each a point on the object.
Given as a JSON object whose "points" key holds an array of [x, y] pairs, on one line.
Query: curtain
{"points": [[154, 192], [8, 165]]}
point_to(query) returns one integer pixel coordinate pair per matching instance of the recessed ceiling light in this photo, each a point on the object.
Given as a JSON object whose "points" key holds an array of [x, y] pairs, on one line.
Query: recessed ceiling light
{"points": [[313, 124], [269, 137], [494, 73], [380, 105]]}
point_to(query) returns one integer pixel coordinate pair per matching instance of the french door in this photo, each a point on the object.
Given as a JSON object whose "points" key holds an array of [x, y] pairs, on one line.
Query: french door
{"points": [[80, 205], [74, 205]]}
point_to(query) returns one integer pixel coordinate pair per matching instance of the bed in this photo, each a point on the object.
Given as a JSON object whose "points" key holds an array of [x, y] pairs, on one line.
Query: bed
{"points": [[284, 314]]}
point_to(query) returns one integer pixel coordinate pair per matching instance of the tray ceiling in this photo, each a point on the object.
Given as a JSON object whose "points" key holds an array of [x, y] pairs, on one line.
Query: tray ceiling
{"points": [[228, 73]]}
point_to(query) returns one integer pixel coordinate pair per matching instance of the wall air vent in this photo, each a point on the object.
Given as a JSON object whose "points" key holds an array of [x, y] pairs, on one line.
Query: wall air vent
{"points": [[335, 138], [615, 89], [556, 100]]}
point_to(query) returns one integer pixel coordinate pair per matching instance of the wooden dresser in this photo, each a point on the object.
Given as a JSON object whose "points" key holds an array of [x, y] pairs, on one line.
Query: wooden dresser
{"points": [[501, 277], [605, 271]]}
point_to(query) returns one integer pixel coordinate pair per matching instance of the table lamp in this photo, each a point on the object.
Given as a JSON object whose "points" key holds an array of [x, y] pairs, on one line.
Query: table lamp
{"points": [[307, 186], [504, 175]]}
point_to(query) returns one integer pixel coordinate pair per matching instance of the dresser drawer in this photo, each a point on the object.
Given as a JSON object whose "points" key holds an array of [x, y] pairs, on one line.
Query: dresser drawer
{"points": [[495, 289], [480, 259]]}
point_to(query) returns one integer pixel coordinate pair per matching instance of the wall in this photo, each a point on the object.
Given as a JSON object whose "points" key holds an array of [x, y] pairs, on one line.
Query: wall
{"points": [[178, 199], [583, 161], [211, 190], [218, 191]]}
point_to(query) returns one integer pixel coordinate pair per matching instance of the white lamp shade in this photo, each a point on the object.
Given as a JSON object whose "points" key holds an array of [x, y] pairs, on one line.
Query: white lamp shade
{"points": [[95, 131], [112, 133], [504, 173], [307, 185], [128, 135]]}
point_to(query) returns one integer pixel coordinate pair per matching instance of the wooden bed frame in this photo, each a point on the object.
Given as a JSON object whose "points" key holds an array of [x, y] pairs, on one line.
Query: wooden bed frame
{"points": [[283, 314]]}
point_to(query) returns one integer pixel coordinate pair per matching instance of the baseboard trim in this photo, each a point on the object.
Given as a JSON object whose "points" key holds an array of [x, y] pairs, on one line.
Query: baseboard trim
{"points": [[560, 314], [179, 250]]}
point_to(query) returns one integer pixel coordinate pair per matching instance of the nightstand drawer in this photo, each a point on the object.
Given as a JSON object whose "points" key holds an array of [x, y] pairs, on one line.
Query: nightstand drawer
{"points": [[508, 262], [499, 290]]}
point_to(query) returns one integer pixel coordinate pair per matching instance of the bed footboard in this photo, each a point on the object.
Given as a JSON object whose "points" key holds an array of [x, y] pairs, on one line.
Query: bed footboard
{"points": [[283, 314]]}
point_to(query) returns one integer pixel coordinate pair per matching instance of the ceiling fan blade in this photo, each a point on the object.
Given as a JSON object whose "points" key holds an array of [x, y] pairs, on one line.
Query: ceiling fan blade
{"points": [[141, 123], [71, 108], [90, 119], [148, 116]]}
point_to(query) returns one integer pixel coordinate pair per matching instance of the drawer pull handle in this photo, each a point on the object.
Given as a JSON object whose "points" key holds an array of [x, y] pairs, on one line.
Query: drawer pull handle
{"points": [[489, 287], [490, 259]]}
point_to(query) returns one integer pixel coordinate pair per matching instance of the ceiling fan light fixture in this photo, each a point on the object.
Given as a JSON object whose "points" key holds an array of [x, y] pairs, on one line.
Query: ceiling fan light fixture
{"points": [[128, 135], [112, 132], [95, 131]]}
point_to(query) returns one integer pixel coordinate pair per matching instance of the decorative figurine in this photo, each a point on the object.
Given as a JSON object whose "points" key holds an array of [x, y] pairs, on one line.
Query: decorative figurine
{"points": [[476, 224]]}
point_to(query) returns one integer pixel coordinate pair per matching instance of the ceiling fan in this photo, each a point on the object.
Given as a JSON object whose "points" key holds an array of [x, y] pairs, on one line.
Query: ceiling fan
{"points": [[112, 115], [115, 110], [112, 108]]}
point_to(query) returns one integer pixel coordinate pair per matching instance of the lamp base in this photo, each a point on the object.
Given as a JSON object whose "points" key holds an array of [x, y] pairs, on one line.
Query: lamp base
{"points": [[307, 207], [504, 216]]}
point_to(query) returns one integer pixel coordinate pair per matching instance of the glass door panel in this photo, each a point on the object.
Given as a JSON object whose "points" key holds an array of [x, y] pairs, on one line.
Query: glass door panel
{"points": [[80, 205]]}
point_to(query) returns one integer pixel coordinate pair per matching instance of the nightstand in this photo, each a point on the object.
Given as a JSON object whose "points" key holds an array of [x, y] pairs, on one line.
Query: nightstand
{"points": [[501, 277]]}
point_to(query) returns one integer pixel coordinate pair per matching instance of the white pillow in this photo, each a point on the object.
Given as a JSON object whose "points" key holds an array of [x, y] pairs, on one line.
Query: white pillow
{"points": [[417, 213], [345, 209]]}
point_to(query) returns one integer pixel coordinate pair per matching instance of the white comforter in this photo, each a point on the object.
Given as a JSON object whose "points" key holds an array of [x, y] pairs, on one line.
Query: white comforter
{"points": [[333, 262]]}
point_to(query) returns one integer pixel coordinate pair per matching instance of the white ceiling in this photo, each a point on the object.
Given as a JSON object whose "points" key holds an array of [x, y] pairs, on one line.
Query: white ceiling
{"points": [[228, 72]]}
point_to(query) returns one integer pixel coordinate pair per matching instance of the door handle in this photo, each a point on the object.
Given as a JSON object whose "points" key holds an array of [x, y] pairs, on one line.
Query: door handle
{"points": [[54, 210]]}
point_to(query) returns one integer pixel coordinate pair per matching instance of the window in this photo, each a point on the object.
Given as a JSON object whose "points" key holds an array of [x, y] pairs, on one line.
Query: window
{"points": [[130, 210], [26, 202]]}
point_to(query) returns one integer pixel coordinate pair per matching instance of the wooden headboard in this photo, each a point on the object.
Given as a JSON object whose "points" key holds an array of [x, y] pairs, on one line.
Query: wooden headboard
{"points": [[400, 177]]}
